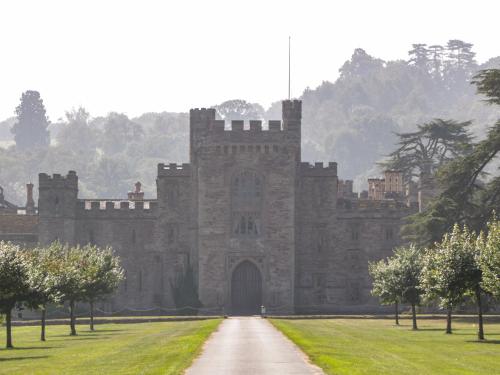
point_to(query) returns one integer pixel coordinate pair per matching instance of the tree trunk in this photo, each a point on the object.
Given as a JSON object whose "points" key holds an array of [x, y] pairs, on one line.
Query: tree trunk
{"points": [[91, 315], [448, 320], [414, 316], [8, 325], [480, 331], [72, 318], [396, 310], [44, 314]]}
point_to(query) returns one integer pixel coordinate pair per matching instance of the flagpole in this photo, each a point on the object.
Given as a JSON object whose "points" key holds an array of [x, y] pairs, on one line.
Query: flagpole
{"points": [[289, 67]]}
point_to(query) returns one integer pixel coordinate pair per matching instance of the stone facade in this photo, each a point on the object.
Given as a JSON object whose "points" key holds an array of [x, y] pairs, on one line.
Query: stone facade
{"points": [[255, 223]]}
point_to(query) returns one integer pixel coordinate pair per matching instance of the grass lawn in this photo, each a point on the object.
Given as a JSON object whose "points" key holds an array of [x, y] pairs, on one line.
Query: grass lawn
{"points": [[374, 346], [143, 348]]}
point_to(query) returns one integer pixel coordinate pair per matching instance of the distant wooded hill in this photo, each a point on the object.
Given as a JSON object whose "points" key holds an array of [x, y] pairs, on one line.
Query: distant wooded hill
{"points": [[351, 121]]}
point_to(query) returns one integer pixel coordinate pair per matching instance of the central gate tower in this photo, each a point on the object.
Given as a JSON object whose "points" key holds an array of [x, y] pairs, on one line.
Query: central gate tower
{"points": [[245, 181]]}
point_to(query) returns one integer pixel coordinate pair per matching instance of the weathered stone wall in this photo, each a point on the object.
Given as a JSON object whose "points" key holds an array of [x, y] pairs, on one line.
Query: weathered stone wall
{"points": [[332, 273], [245, 196], [270, 156]]}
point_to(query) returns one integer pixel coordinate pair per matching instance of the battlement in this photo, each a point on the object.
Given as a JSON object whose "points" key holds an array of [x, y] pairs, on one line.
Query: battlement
{"points": [[202, 112], [318, 169], [239, 126], [174, 170], [58, 181], [371, 205], [113, 208]]}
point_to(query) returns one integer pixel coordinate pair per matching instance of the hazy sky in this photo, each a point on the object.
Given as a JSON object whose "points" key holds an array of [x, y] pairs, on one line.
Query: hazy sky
{"points": [[139, 56]]}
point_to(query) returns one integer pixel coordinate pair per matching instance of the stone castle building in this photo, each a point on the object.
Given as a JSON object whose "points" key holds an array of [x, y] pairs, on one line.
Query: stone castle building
{"points": [[256, 224]]}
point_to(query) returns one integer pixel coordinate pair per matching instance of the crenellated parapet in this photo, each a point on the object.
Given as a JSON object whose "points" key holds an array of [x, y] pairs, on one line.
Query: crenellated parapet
{"points": [[374, 205], [239, 126], [116, 208], [174, 170], [70, 181], [318, 169]]}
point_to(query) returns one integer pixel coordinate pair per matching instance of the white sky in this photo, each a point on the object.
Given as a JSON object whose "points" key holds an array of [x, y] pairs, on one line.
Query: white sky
{"points": [[140, 56]]}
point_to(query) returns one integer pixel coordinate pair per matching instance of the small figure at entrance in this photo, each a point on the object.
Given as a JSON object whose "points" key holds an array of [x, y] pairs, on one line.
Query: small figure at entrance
{"points": [[263, 311]]}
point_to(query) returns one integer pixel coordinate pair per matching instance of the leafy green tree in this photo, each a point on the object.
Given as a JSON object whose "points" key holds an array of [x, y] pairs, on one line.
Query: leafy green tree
{"points": [[30, 130], [70, 278], [490, 258], [185, 292], [466, 196], [102, 275], [421, 153], [42, 280], [14, 288], [446, 268], [408, 262], [386, 283]]}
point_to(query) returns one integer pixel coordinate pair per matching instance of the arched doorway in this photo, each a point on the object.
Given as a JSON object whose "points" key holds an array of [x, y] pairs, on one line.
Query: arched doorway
{"points": [[246, 289]]}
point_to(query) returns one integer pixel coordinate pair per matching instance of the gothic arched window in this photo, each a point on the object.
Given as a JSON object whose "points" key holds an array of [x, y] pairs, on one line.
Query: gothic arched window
{"points": [[246, 193]]}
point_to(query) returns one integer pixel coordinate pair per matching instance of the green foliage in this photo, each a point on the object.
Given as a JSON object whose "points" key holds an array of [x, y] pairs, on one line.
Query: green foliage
{"points": [[386, 281], [408, 262], [30, 130], [41, 277], [488, 84], [424, 151], [13, 276], [489, 247], [450, 268], [102, 272], [360, 111], [185, 293], [468, 195]]}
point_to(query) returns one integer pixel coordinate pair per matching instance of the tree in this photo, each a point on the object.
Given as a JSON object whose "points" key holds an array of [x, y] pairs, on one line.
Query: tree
{"points": [[30, 130], [386, 283], [77, 134], [238, 109], [360, 65], [185, 292], [436, 60], [102, 275], [13, 285], [43, 285], [421, 153], [408, 263], [465, 195], [460, 63], [490, 258], [419, 57], [446, 268], [69, 276]]}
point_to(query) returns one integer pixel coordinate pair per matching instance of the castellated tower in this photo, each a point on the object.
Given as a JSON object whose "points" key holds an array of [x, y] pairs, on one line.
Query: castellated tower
{"points": [[245, 182], [254, 224], [57, 204]]}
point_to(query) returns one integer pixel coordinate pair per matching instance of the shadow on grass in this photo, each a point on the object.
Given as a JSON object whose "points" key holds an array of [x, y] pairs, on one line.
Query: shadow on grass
{"points": [[495, 342], [29, 348], [22, 358]]}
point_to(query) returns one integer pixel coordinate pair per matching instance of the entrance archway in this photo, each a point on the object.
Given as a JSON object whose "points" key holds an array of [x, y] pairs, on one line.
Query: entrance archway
{"points": [[246, 289]]}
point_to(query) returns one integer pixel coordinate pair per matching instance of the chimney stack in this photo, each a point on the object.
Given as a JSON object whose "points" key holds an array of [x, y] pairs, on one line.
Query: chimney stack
{"points": [[30, 203]]}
